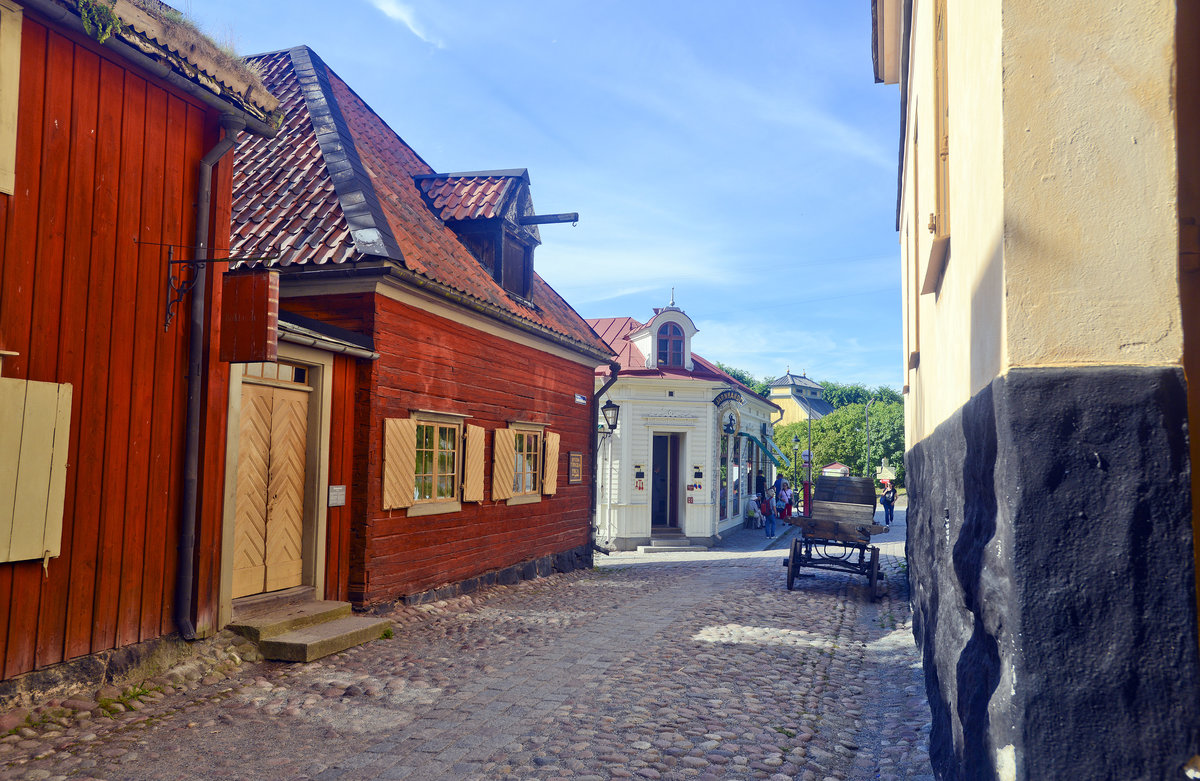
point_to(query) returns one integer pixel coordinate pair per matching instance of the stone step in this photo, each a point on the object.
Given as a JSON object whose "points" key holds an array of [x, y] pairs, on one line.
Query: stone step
{"points": [[313, 642], [278, 619], [669, 548]]}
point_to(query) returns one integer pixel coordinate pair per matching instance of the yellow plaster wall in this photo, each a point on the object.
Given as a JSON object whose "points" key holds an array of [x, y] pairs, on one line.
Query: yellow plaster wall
{"points": [[1090, 244], [1063, 223], [958, 330]]}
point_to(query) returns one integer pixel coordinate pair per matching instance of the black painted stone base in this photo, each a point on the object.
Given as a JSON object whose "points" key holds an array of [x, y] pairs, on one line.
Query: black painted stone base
{"points": [[564, 561], [1052, 572]]}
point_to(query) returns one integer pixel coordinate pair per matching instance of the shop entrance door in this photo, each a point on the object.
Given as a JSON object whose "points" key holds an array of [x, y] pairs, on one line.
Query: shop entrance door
{"points": [[664, 483]]}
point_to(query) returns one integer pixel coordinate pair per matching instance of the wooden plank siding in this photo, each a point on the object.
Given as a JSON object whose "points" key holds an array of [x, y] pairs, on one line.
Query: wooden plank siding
{"points": [[431, 363], [107, 156], [341, 472]]}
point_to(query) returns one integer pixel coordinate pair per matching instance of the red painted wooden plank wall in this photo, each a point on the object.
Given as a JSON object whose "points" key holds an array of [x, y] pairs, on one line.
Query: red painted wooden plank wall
{"points": [[106, 157], [341, 472], [429, 362]]}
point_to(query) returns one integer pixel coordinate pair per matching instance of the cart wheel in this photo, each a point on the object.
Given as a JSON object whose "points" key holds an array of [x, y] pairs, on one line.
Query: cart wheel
{"points": [[873, 573], [794, 564]]}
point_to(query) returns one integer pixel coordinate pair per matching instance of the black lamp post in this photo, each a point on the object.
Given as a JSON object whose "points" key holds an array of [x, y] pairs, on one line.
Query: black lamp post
{"points": [[795, 466]]}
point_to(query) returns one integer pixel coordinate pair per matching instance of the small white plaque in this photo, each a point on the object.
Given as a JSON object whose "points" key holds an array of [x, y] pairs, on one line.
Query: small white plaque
{"points": [[337, 496], [580, 398]]}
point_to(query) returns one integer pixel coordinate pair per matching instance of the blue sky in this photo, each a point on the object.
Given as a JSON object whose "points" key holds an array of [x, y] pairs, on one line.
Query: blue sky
{"points": [[739, 153]]}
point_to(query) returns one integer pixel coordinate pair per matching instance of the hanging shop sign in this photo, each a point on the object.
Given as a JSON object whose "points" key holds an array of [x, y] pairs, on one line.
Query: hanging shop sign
{"points": [[729, 396]]}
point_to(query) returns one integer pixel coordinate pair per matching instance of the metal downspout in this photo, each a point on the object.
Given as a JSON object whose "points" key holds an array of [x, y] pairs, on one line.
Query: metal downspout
{"points": [[184, 592], [614, 368]]}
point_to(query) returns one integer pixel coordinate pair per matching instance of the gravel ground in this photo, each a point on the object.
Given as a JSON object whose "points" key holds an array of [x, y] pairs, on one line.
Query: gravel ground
{"points": [[659, 666]]}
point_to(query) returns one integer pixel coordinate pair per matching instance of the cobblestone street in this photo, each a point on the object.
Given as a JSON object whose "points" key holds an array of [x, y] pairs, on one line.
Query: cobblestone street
{"points": [[670, 666]]}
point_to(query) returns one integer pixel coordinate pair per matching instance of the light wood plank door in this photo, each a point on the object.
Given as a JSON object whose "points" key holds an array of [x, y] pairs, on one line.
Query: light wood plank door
{"points": [[269, 508]]}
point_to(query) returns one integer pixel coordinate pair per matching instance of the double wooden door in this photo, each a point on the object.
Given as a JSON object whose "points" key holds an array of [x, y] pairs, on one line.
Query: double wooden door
{"points": [[269, 514]]}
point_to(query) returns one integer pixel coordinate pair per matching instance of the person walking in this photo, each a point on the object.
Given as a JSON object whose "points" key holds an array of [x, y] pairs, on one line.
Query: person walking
{"points": [[888, 500], [787, 500], [768, 509]]}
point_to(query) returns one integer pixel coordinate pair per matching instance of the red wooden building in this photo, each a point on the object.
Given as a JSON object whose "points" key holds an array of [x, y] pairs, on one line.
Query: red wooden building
{"points": [[451, 442], [110, 157]]}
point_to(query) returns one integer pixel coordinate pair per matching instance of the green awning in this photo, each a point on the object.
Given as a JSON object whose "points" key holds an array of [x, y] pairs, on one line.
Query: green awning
{"points": [[773, 453]]}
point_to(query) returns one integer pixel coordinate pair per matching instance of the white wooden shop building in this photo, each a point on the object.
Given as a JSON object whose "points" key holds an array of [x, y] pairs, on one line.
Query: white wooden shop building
{"points": [[688, 443]]}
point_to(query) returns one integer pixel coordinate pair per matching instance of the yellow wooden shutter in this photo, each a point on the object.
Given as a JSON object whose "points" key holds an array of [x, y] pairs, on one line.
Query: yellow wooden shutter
{"points": [[35, 429], [504, 458], [473, 465], [399, 462], [550, 465]]}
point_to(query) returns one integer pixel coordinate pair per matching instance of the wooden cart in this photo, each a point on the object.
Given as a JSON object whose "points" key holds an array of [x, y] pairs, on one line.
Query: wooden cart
{"points": [[837, 535]]}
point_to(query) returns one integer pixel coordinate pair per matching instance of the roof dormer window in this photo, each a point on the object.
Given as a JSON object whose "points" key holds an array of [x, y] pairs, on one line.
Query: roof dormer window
{"points": [[670, 345]]}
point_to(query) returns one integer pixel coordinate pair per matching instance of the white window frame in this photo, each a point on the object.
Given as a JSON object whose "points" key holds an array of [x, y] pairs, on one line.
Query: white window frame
{"points": [[435, 505]]}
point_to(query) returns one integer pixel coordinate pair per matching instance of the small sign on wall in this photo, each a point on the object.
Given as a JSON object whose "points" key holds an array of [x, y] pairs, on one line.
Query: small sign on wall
{"points": [[580, 398], [337, 496], [574, 468]]}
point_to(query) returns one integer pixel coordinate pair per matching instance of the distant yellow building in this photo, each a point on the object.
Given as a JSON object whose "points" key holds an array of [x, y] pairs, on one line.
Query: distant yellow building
{"points": [[800, 399]]}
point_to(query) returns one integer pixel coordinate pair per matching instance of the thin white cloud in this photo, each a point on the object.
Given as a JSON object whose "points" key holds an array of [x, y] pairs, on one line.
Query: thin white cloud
{"points": [[404, 13]]}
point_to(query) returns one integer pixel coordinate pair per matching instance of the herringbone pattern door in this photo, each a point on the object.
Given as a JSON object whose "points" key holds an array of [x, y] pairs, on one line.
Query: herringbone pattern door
{"points": [[269, 504], [285, 489]]}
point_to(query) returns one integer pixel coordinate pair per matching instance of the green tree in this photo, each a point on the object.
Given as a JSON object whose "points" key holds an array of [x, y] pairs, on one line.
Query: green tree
{"points": [[841, 436], [761, 387], [840, 394]]}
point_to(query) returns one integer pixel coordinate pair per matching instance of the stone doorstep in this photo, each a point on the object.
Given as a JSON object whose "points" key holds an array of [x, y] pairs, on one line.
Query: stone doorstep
{"points": [[669, 548], [288, 617], [315, 641]]}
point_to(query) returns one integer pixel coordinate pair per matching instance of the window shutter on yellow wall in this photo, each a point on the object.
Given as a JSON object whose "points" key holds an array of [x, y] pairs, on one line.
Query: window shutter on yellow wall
{"points": [[504, 453], [550, 465], [399, 462], [472, 490]]}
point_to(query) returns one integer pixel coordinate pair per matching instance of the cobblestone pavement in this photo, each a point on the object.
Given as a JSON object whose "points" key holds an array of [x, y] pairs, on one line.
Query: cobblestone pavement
{"points": [[653, 666]]}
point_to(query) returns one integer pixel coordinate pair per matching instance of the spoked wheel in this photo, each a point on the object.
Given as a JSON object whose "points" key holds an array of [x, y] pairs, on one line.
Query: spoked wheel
{"points": [[793, 565], [873, 573]]}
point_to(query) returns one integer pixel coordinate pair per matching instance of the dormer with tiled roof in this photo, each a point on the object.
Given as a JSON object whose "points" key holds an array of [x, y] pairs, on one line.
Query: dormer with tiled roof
{"points": [[337, 193], [666, 341], [486, 209]]}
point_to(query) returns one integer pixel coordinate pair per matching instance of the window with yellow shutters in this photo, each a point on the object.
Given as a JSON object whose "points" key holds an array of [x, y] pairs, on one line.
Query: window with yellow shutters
{"points": [[431, 463], [524, 463]]}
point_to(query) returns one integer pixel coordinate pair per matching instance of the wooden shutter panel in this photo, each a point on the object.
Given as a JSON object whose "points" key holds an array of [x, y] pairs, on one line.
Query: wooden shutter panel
{"points": [[504, 457], [35, 431], [550, 465], [472, 490], [399, 462]]}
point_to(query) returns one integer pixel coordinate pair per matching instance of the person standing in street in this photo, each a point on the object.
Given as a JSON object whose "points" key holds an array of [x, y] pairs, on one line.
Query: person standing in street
{"points": [[888, 500], [768, 509], [787, 500]]}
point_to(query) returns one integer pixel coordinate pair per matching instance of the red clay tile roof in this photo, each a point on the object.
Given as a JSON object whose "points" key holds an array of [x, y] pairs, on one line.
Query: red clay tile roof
{"points": [[470, 196], [337, 185], [615, 331]]}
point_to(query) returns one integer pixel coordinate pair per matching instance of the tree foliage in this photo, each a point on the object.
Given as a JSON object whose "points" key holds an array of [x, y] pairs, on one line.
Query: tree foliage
{"points": [[841, 436], [841, 394], [761, 387]]}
